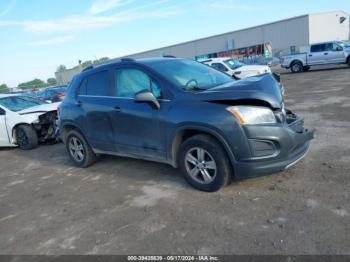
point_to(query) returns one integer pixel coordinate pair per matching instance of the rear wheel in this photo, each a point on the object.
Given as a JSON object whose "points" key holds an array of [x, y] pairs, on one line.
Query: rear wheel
{"points": [[297, 67], [26, 137], [204, 163], [79, 150]]}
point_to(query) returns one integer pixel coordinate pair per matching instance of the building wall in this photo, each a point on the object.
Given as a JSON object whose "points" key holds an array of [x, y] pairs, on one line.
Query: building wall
{"points": [[327, 27], [66, 76], [282, 34]]}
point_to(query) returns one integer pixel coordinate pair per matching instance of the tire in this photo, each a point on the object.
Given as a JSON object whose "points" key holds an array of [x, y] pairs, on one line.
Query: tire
{"points": [[348, 61], [306, 68], [214, 154], [296, 67], [26, 137], [79, 150]]}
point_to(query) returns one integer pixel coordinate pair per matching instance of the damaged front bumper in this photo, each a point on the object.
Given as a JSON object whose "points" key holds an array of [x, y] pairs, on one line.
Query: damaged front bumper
{"points": [[274, 148], [46, 127]]}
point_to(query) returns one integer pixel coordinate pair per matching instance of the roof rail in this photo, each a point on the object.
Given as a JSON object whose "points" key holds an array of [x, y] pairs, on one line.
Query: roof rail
{"points": [[88, 68], [169, 56], [127, 59]]}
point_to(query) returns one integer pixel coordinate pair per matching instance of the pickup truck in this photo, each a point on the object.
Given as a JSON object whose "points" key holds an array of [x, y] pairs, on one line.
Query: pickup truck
{"points": [[335, 52]]}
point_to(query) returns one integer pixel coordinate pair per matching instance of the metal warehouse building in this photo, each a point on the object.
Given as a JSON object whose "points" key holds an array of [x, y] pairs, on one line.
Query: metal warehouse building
{"points": [[284, 37], [272, 39]]}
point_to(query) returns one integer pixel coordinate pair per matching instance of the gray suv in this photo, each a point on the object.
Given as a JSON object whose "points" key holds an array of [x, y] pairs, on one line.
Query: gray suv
{"points": [[185, 114]]}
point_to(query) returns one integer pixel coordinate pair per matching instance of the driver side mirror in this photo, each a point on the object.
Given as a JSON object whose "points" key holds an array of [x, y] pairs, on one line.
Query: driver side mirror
{"points": [[146, 96]]}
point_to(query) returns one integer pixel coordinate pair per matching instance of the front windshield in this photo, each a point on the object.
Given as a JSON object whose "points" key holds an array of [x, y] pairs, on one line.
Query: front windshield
{"points": [[18, 103], [233, 64], [191, 75], [344, 44]]}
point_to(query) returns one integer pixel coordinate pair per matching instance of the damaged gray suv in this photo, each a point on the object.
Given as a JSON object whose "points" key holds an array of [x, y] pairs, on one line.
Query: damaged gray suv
{"points": [[185, 114]]}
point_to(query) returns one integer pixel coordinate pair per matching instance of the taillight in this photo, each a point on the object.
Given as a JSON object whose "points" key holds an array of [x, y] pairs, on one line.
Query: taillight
{"points": [[60, 94]]}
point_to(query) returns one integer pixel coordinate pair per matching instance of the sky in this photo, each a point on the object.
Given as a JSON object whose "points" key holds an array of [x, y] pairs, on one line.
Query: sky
{"points": [[36, 36]]}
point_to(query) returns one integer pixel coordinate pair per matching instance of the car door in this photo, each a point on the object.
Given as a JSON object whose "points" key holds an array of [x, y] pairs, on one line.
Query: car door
{"points": [[317, 55], [4, 138], [137, 125], [98, 107], [336, 53]]}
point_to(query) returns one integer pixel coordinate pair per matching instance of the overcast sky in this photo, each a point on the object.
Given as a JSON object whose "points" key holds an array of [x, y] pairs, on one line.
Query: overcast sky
{"points": [[38, 35]]}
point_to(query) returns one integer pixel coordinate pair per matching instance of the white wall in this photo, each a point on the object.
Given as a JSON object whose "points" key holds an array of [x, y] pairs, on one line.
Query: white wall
{"points": [[326, 27]]}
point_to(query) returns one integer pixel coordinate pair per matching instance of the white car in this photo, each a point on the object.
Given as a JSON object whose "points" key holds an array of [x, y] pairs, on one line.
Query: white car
{"points": [[235, 68], [26, 121]]}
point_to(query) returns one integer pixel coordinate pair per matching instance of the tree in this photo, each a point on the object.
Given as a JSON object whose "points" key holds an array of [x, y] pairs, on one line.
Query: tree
{"points": [[51, 81], [4, 88], [101, 60], [86, 63], [61, 68], [36, 83]]}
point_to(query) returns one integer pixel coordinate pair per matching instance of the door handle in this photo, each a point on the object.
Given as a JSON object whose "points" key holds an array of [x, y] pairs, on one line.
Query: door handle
{"points": [[117, 109], [325, 53], [78, 103], [310, 55]]}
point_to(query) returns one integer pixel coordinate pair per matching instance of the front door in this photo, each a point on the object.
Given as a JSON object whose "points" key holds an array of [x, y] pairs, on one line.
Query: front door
{"points": [[336, 53], [137, 125], [4, 138]]}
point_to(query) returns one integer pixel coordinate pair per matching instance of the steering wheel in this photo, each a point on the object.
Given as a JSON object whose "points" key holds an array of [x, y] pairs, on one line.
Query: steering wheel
{"points": [[192, 81]]}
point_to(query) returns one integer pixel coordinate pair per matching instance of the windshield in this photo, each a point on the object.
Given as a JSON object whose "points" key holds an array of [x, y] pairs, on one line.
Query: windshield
{"points": [[344, 44], [233, 64], [191, 75], [18, 103]]}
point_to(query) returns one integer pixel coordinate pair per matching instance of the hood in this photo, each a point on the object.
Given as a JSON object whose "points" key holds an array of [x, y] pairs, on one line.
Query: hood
{"points": [[39, 109], [264, 88]]}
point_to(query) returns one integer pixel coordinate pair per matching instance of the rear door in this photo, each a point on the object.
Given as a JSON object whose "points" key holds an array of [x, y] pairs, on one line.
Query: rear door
{"points": [[98, 108], [318, 54], [138, 127], [4, 138]]}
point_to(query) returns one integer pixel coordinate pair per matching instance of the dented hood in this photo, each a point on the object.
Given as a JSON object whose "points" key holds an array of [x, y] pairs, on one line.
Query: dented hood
{"points": [[264, 88], [40, 109]]}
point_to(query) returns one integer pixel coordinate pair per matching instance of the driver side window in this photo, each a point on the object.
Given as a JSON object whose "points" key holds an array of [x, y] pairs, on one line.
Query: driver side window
{"points": [[129, 82]]}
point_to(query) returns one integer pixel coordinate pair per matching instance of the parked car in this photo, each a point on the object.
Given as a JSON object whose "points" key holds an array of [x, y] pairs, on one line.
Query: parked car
{"points": [[25, 121], [235, 68], [335, 52], [185, 114], [52, 94]]}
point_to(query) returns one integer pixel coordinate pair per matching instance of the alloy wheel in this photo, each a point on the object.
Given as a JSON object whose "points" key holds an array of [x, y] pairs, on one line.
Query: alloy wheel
{"points": [[76, 149], [200, 165]]}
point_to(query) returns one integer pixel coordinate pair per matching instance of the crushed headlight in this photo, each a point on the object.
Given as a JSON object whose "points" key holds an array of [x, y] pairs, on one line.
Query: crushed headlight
{"points": [[252, 115]]}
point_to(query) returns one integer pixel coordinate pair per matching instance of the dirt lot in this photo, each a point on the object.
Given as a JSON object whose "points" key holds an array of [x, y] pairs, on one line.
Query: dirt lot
{"points": [[123, 206]]}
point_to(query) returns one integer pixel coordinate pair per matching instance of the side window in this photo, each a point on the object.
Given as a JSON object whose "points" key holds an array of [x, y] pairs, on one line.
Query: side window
{"points": [[128, 82], [96, 84], [329, 47], [318, 48], [219, 67]]}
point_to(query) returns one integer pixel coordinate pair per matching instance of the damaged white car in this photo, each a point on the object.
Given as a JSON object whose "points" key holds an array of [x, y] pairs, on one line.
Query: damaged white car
{"points": [[26, 121]]}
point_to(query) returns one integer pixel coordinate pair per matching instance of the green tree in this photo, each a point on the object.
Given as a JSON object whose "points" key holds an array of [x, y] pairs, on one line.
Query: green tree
{"points": [[61, 68], [51, 81], [4, 88], [86, 63], [36, 83]]}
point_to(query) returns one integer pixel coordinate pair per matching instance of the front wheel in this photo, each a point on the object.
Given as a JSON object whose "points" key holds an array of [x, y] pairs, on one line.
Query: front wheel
{"points": [[204, 163], [26, 137], [348, 61], [79, 150]]}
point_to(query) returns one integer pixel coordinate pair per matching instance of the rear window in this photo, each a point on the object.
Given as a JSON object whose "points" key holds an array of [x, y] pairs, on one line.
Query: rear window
{"points": [[95, 85]]}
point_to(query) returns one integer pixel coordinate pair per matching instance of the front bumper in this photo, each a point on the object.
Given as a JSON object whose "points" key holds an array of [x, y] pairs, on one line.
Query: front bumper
{"points": [[279, 147]]}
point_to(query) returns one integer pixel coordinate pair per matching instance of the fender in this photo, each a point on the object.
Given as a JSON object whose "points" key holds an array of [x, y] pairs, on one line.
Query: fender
{"points": [[172, 146], [295, 61]]}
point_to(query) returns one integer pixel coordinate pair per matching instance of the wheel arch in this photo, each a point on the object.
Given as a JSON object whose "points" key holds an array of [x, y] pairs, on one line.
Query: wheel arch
{"points": [[185, 132], [13, 133], [64, 130], [296, 61]]}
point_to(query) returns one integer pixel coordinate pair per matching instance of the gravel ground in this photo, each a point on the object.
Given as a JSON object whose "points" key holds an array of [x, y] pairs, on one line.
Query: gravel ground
{"points": [[127, 206]]}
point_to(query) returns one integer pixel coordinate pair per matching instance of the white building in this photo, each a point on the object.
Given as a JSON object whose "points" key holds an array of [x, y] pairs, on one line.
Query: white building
{"points": [[285, 36]]}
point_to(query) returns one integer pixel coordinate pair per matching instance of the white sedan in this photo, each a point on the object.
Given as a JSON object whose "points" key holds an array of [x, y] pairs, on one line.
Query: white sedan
{"points": [[235, 68], [26, 121]]}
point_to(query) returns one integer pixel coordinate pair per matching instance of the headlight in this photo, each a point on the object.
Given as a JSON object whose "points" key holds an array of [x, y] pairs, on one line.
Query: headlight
{"points": [[252, 115]]}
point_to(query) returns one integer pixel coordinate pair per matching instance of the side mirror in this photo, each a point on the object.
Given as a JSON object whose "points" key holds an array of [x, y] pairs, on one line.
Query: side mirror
{"points": [[146, 96], [277, 77]]}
